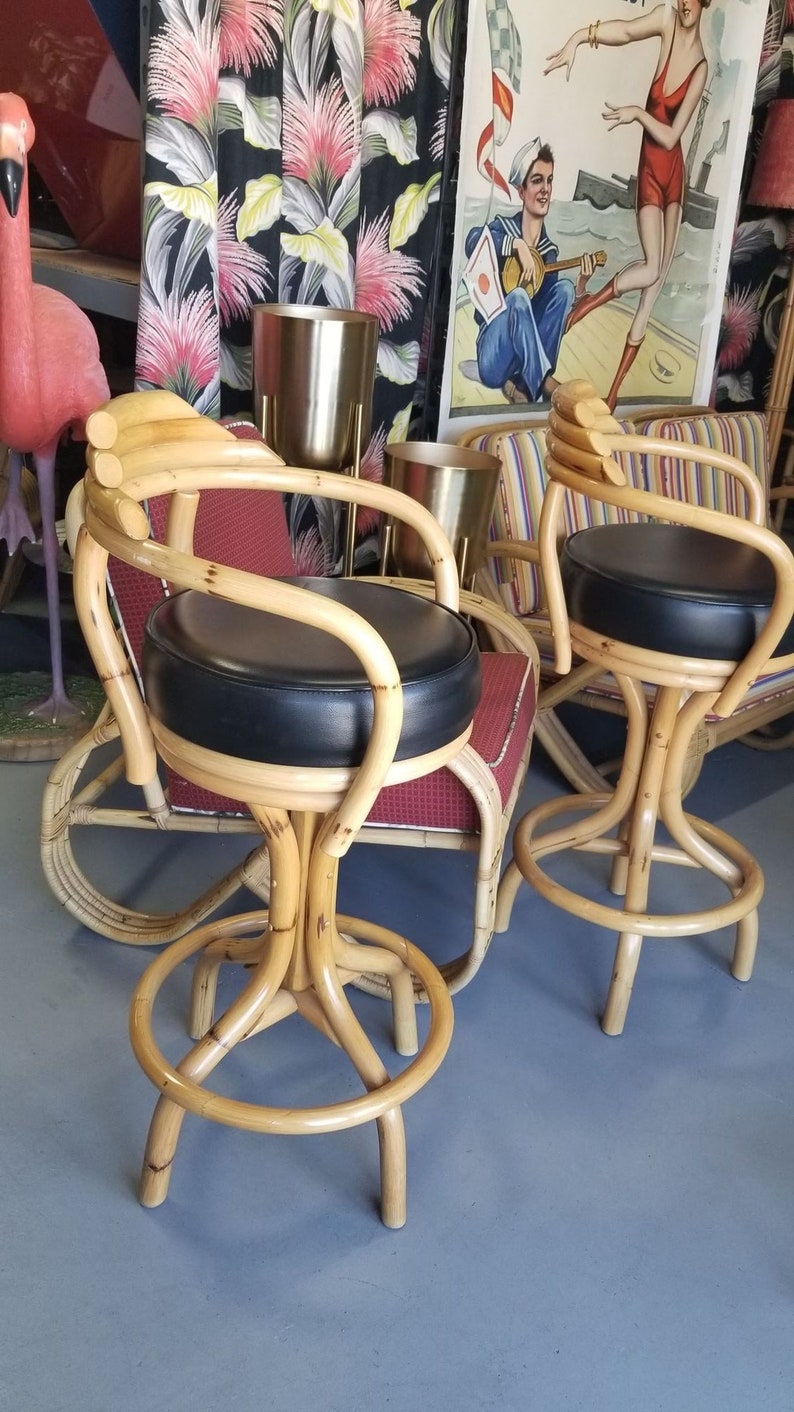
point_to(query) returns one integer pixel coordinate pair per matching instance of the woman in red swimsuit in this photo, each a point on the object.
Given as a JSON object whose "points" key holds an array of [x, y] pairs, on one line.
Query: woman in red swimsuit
{"points": [[673, 99]]}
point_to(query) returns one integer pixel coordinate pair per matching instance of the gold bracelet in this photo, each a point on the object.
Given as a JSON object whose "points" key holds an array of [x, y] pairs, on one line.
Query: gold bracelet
{"points": [[592, 35]]}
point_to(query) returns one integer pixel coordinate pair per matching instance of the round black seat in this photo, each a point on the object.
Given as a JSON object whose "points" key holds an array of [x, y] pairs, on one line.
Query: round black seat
{"points": [[265, 688], [669, 588]]}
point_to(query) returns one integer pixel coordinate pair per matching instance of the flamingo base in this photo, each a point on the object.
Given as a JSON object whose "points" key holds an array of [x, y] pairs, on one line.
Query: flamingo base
{"points": [[27, 732]]}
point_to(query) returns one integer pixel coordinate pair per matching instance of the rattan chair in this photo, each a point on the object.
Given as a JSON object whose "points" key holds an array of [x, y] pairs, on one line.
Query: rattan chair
{"points": [[467, 805], [301, 699], [513, 575], [690, 601]]}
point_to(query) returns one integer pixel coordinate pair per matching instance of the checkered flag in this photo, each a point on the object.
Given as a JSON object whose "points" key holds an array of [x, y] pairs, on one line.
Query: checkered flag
{"points": [[505, 43]]}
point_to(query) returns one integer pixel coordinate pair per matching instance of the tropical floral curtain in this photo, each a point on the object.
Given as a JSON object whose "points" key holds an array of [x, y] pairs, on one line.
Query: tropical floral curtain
{"points": [[293, 154], [762, 247]]}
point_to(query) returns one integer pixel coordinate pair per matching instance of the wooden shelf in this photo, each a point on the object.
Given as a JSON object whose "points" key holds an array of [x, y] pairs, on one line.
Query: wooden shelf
{"points": [[96, 282]]}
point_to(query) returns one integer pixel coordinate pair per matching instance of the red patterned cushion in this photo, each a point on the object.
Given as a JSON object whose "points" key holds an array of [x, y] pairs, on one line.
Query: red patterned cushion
{"points": [[502, 722], [184, 795], [246, 529]]}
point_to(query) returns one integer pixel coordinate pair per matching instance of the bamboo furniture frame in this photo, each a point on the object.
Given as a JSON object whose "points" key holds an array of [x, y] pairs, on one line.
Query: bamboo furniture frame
{"points": [[77, 797], [299, 954], [782, 493], [580, 456], [475, 774], [753, 723]]}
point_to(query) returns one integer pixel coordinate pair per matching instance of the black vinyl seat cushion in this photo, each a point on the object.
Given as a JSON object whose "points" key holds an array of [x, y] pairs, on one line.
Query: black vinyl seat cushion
{"points": [[260, 687], [669, 588]]}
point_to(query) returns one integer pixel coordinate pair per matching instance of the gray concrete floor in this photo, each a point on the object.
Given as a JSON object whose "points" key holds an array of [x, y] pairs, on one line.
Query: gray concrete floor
{"points": [[593, 1223]]}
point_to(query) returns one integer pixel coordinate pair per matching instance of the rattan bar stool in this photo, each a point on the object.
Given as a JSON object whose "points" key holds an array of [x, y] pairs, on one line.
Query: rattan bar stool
{"points": [[299, 698], [692, 601]]}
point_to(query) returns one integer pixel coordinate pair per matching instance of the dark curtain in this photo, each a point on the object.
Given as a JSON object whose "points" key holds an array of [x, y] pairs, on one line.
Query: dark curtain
{"points": [[293, 154]]}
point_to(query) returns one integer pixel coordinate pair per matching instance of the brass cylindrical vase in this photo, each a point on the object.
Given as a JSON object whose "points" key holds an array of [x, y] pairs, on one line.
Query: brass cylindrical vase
{"points": [[313, 369], [458, 486], [313, 378]]}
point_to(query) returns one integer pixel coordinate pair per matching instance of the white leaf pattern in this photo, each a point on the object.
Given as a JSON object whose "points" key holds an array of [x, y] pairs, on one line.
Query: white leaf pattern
{"points": [[259, 118], [398, 362], [383, 132]]}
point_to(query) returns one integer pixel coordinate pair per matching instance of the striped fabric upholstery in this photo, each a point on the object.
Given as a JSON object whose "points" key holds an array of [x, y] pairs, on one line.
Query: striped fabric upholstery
{"points": [[765, 688], [739, 434], [518, 503], [523, 481]]}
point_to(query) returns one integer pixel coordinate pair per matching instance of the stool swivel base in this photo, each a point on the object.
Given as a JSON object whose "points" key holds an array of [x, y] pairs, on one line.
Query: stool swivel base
{"points": [[649, 789], [299, 961]]}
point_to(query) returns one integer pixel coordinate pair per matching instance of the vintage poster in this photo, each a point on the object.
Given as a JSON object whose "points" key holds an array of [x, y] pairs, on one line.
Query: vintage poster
{"points": [[601, 158]]}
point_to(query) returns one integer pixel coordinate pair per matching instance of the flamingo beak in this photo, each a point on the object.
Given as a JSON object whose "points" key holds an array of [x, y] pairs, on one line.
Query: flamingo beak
{"points": [[11, 177]]}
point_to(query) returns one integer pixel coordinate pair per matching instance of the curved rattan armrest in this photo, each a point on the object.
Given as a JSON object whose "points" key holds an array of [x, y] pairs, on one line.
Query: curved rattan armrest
{"points": [[114, 522], [526, 550], [678, 511], [187, 468], [700, 455], [475, 605], [238, 586]]}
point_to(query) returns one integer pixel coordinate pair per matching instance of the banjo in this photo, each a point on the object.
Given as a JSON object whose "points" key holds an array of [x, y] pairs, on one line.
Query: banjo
{"points": [[512, 275]]}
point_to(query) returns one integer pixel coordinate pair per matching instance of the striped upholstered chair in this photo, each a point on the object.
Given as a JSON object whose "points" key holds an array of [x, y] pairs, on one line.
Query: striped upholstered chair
{"points": [[513, 575]]}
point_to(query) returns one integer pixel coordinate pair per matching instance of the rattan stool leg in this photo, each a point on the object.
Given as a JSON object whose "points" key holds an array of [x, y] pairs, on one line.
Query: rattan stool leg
{"points": [[745, 948], [641, 833], [241, 1017], [300, 962], [200, 1061], [350, 956], [643, 796], [382, 973], [321, 906], [241, 950], [690, 836]]}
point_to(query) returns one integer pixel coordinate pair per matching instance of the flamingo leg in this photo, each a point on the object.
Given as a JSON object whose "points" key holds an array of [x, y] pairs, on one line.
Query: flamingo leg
{"points": [[57, 709], [14, 519]]}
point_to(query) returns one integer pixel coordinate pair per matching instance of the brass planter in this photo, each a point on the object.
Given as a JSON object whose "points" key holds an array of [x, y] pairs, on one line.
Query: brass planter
{"points": [[313, 378], [458, 486], [313, 368]]}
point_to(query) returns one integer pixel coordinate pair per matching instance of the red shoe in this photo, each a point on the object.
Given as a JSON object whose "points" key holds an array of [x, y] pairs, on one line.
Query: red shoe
{"points": [[589, 302]]}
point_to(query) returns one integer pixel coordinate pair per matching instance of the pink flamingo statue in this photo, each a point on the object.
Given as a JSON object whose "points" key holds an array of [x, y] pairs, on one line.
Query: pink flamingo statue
{"points": [[50, 377]]}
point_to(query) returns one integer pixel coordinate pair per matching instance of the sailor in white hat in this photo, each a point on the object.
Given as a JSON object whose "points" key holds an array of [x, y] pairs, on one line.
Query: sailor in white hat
{"points": [[517, 347], [522, 162]]}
